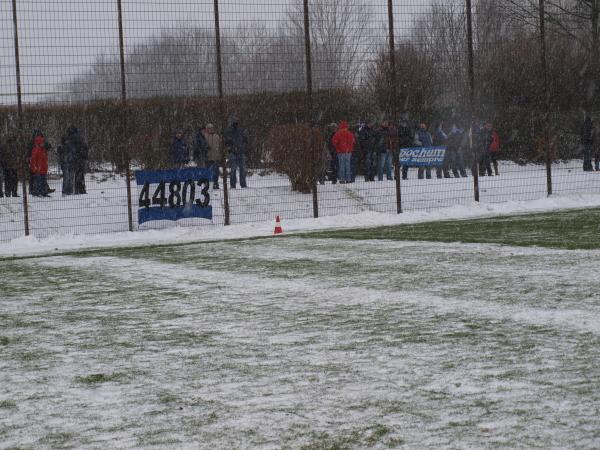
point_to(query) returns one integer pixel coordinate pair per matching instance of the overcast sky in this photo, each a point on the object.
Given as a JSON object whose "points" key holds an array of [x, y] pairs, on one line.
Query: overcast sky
{"points": [[61, 38]]}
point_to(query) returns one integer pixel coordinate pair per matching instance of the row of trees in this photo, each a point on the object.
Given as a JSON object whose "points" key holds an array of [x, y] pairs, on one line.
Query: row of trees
{"points": [[349, 49]]}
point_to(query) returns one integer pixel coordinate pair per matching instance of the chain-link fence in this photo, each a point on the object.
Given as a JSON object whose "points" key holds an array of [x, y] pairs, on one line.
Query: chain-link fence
{"points": [[94, 92]]}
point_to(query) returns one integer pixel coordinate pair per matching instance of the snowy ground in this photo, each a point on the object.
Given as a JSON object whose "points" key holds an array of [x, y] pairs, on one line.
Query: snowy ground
{"points": [[302, 342], [104, 208]]}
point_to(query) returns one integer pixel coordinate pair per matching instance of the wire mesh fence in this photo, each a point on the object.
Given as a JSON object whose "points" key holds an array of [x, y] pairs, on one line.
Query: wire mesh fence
{"points": [[258, 92]]}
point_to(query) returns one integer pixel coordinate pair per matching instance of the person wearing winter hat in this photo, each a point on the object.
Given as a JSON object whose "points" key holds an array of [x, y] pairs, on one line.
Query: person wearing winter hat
{"points": [[214, 152]]}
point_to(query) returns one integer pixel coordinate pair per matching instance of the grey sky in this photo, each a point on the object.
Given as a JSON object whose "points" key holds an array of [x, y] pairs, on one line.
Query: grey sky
{"points": [[61, 38]]}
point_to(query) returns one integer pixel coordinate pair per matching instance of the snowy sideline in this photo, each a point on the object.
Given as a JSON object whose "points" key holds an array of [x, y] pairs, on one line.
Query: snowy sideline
{"points": [[32, 246]]}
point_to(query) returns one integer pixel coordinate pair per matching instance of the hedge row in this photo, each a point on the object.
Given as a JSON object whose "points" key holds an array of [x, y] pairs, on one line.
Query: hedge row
{"points": [[151, 123]]}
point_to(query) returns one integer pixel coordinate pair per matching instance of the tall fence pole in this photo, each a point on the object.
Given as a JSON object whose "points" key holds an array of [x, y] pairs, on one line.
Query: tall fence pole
{"points": [[309, 97], [546, 131], [20, 145], [124, 117], [471, 73], [221, 108], [393, 78]]}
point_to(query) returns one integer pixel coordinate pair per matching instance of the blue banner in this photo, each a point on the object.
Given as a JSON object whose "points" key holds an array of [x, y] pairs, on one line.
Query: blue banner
{"points": [[174, 194], [422, 156]]}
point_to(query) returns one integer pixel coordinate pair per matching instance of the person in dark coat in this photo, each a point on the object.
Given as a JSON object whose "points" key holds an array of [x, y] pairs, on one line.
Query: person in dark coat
{"points": [[236, 143], [485, 158], [368, 140], [597, 148], [2, 171], [180, 153], [200, 148], [66, 160], [406, 138], [332, 162], [74, 159], [476, 143], [329, 167], [587, 141], [9, 167], [456, 144], [440, 139], [423, 139], [387, 148]]}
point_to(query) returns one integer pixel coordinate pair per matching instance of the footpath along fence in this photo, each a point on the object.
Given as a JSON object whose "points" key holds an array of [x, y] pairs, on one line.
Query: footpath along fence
{"points": [[168, 198], [128, 74]]}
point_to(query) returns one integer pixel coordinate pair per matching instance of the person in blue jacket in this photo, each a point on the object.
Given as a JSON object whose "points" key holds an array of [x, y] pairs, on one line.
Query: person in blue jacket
{"points": [[180, 153], [456, 145]]}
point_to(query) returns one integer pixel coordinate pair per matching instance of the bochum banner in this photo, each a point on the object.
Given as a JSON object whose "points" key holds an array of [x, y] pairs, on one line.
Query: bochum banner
{"points": [[422, 156]]}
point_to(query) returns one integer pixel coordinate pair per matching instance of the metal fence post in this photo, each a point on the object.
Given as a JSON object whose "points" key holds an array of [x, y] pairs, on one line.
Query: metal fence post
{"points": [[393, 78], [309, 99], [221, 109], [20, 145], [124, 118], [471, 72], [546, 106]]}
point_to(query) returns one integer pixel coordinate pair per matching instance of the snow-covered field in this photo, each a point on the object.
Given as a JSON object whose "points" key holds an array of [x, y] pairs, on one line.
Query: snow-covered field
{"points": [[104, 208], [296, 342]]}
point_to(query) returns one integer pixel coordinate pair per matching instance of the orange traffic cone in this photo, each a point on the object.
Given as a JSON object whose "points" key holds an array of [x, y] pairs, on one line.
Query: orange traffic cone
{"points": [[278, 229]]}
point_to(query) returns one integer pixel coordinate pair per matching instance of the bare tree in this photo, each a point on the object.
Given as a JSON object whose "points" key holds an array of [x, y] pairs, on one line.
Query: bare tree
{"points": [[579, 22], [339, 39]]}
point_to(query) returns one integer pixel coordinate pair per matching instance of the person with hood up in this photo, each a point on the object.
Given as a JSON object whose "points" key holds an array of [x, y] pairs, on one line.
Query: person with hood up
{"points": [[343, 141], [38, 167], [236, 143], [180, 153]]}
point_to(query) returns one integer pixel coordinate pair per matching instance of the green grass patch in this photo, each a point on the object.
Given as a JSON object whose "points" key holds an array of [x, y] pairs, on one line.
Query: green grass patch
{"points": [[565, 229], [97, 378], [168, 398], [7, 404], [4, 340]]}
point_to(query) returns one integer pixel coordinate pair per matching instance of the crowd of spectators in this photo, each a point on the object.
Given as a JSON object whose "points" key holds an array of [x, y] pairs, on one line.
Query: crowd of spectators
{"points": [[377, 147]]}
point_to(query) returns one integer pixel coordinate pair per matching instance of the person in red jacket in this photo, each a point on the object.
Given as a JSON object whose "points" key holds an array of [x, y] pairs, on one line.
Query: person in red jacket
{"points": [[343, 142], [38, 166]]}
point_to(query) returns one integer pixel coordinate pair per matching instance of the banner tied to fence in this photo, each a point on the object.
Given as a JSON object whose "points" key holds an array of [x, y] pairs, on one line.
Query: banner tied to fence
{"points": [[174, 194], [422, 156]]}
